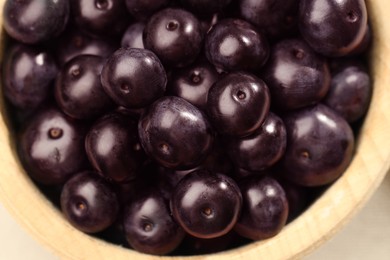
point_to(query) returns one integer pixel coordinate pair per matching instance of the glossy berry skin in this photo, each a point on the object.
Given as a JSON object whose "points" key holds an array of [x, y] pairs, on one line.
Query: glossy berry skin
{"points": [[296, 75], [277, 18], [132, 37], [148, 225], [261, 149], [175, 133], [350, 91], [265, 208], [113, 148], [89, 203], [175, 36], [51, 147], [333, 27], [134, 78], [35, 21], [234, 44], [141, 9], [206, 204], [74, 42], [238, 104], [203, 7], [28, 73], [193, 82], [78, 90], [100, 17], [320, 145]]}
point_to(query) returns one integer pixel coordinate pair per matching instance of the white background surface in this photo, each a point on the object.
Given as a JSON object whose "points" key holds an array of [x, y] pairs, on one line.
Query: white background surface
{"points": [[367, 236]]}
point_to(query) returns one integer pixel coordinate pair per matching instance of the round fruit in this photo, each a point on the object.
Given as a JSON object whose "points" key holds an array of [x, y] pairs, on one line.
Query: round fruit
{"points": [[320, 145], [333, 27], [28, 73], [35, 21], [89, 203], [78, 90], [350, 91], [113, 147], [134, 78], [149, 226], [51, 147], [238, 104], [205, 204], [193, 83], [175, 133], [296, 75], [234, 44], [265, 208], [175, 35]]}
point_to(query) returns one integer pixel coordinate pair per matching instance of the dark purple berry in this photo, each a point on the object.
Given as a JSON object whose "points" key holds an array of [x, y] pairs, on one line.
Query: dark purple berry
{"points": [[264, 210], [149, 226], [333, 27], [350, 91], [28, 74], [234, 44], [175, 35], [35, 21], [89, 203], [79, 92], [238, 104], [205, 204], [320, 145], [193, 82], [51, 147], [113, 148], [296, 75], [134, 78], [175, 133]]}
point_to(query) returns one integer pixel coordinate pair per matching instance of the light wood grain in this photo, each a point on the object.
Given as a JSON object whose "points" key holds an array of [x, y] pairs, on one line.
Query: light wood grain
{"points": [[324, 218]]}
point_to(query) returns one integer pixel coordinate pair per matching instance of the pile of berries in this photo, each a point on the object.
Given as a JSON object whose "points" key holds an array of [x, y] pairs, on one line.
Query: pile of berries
{"points": [[185, 126]]}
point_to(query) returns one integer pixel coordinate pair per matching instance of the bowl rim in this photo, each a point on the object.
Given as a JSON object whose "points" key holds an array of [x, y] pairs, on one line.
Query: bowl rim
{"points": [[317, 224]]}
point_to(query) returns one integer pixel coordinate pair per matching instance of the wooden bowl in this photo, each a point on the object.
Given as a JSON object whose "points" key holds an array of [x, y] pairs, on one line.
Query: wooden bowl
{"points": [[322, 220]]}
